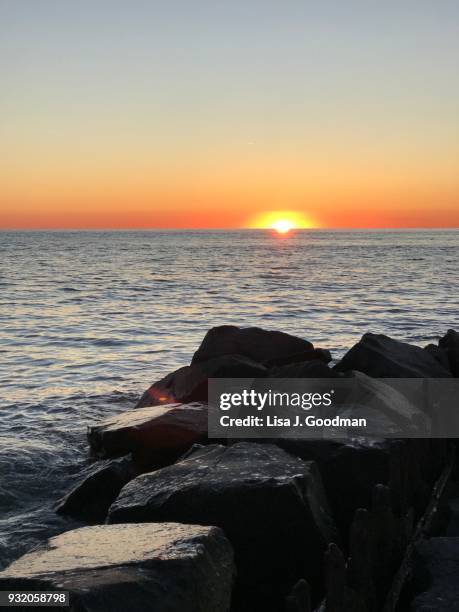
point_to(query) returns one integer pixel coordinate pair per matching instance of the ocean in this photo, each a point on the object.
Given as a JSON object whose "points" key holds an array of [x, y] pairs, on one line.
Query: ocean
{"points": [[88, 320]]}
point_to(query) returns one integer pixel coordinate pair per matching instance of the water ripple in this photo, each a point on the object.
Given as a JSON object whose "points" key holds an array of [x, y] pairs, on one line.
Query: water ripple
{"points": [[88, 320]]}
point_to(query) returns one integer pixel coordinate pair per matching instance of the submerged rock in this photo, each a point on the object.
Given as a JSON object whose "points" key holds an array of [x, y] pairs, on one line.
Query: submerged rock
{"points": [[127, 568], [253, 342], [97, 489], [436, 572], [382, 357], [189, 384], [155, 435], [271, 506], [450, 343]]}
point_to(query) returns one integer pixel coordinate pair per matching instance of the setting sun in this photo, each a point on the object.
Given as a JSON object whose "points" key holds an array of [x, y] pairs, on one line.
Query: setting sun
{"points": [[283, 226], [282, 221]]}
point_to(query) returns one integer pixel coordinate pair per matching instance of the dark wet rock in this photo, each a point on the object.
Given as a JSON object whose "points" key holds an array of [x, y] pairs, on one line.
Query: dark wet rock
{"points": [[431, 455], [318, 354], [450, 343], [155, 435], [299, 599], [189, 384], [436, 575], [128, 568], [350, 470], [452, 528], [98, 487], [271, 506], [335, 580], [380, 356], [306, 369], [441, 355], [253, 342]]}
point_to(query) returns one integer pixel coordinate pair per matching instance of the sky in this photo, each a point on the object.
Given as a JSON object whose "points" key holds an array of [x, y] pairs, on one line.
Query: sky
{"points": [[183, 114]]}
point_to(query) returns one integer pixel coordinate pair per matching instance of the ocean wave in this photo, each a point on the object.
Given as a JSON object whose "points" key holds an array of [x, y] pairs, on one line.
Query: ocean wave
{"points": [[89, 320]]}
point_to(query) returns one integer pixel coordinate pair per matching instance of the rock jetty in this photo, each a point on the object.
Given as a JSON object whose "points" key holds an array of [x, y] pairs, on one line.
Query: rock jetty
{"points": [[184, 523], [270, 504]]}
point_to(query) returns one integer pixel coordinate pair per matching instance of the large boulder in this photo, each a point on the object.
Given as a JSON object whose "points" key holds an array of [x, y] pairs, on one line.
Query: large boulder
{"points": [[189, 384], [450, 343], [253, 342], [97, 488], [271, 506], [155, 435], [382, 357], [128, 568], [436, 572], [351, 469]]}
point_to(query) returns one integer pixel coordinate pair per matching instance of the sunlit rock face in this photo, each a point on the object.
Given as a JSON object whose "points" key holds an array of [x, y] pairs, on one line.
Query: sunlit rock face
{"points": [[127, 568], [190, 383], [382, 357], [230, 352], [271, 506], [155, 435], [258, 344]]}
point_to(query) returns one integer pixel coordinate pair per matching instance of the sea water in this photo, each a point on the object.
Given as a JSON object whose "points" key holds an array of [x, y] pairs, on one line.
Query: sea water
{"points": [[88, 320]]}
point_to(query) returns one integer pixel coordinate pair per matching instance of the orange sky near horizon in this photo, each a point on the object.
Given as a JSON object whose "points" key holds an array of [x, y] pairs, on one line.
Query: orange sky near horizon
{"points": [[351, 219], [158, 115], [233, 202], [226, 217]]}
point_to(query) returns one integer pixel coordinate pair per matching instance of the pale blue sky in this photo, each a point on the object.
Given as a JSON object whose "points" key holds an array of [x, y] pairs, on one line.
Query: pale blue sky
{"points": [[156, 83]]}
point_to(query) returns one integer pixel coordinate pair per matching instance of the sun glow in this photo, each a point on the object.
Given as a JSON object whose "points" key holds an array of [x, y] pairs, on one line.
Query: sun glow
{"points": [[282, 221], [283, 226]]}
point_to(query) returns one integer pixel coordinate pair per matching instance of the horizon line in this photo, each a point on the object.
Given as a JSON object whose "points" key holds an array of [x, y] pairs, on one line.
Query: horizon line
{"points": [[223, 229]]}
